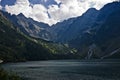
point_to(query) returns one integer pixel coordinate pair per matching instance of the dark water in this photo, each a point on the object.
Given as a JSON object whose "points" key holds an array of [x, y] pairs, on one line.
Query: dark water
{"points": [[67, 70]]}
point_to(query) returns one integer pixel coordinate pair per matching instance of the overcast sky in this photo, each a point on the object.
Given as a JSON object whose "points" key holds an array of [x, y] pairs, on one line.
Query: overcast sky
{"points": [[51, 11]]}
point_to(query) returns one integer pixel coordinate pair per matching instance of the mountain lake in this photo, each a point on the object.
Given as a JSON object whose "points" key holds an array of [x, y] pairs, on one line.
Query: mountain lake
{"points": [[66, 69]]}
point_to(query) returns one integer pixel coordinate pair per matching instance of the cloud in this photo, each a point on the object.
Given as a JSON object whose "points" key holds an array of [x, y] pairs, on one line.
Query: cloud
{"points": [[20, 7], [64, 9], [0, 5], [98, 3], [74, 8], [39, 13], [67, 9]]}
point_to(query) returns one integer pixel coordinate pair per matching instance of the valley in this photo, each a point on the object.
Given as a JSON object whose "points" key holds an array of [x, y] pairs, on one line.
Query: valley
{"points": [[76, 35], [86, 47]]}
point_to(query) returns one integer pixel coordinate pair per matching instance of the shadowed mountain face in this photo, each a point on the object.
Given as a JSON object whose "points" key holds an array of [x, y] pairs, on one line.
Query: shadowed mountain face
{"points": [[108, 36], [105, 36], [60, 32], [95, 34], [73, 28], [15, 46], [29, 26]]}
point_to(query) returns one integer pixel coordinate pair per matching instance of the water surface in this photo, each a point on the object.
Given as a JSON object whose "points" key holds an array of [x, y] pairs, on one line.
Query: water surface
{"points": [[67, 70]]}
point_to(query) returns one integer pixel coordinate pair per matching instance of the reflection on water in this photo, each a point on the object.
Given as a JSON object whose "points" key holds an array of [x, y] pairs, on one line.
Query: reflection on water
{"points": [[67, 70]]}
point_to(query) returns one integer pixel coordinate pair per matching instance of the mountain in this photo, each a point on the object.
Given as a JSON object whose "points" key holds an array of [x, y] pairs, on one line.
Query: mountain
{"points": [[28, 26], [59, 29], [105, 12], [60, 32], [92, 35], [108, 36], [15, 46], [91, 20], [103, 38], [74, 27]]}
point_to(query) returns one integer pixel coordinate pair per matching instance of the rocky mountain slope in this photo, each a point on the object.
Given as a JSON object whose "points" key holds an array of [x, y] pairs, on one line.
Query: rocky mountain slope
{"points": [[60, 32], [16, 46], [95, 34], [72, 28], [102, 41], [28, 26]]}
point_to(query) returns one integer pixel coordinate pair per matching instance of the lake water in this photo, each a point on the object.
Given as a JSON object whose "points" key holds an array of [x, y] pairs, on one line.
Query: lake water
{"points": [[66, 70]]}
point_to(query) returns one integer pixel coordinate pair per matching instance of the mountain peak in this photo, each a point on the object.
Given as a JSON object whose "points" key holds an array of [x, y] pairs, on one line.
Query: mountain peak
{"points": [[21, 14], [112, 5], [91, 10], [107, 10]]}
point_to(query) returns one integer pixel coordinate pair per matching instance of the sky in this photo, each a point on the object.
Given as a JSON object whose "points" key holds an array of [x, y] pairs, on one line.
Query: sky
{"points": [[51, 11]]}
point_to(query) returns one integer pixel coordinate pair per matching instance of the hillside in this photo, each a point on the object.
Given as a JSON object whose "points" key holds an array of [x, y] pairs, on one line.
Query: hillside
{"points": [[95, 34], [15, 46], [28, 26], [102, 40], [108, 36]]}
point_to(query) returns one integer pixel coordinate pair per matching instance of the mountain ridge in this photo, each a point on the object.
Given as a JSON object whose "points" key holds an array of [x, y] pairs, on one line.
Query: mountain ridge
{"points": [[89, 36]]}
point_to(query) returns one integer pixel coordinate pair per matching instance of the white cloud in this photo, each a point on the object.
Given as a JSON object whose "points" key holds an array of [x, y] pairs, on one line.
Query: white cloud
{"points": [[39, 13], [64, 9], [74, 8], [0, 5], [20, 7], [97, 3], [67, 9]]}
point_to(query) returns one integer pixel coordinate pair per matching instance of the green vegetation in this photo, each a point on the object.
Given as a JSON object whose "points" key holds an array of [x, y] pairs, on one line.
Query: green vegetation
{"points": [[15, 46], [5, 76]]}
